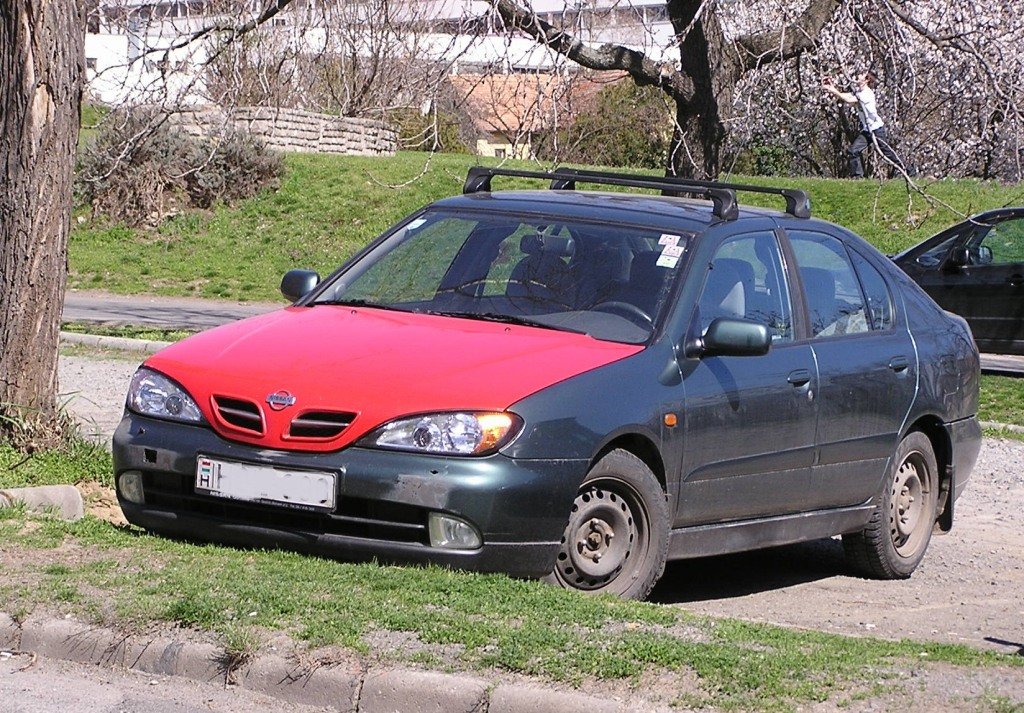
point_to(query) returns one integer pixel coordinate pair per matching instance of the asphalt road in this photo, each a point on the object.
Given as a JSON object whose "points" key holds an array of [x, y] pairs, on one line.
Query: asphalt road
{"points": [[153, 311]]}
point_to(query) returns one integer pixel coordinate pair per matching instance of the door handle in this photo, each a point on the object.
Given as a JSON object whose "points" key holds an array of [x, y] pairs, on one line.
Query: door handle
{"points": [[899, 363], [1015, 280], [799, 377]]}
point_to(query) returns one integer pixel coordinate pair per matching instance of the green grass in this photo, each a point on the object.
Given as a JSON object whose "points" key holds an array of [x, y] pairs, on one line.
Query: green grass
{"points": [[128, 331], [327, 208], [330, 206], [1002, 400], [80, 461], [92, 116], [459, 620]]}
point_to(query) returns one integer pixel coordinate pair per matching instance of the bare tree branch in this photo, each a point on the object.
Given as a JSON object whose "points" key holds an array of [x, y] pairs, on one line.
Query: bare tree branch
{"points": [[798, 36], [607, 57]]}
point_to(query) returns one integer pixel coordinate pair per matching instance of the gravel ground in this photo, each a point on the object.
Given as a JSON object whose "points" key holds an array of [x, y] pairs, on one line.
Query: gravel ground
{"points": [[968, 590]]}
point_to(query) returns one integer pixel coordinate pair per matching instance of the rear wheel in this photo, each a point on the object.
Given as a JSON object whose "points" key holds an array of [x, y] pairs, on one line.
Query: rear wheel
{"points": [[616, 541], [895, 539]]}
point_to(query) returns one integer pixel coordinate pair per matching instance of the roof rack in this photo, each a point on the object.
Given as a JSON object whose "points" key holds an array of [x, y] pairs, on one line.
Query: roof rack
{"points": [[798, 203], [723, 199], [721, 194]]}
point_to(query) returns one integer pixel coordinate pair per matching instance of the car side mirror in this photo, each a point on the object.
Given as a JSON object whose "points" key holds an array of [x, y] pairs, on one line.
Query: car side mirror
{"points": [[959, 257], [736, 337], [296, 284], [977, 255]]}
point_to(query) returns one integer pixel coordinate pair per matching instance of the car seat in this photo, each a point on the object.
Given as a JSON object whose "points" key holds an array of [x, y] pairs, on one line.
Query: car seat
{"points": [[538, 281]]}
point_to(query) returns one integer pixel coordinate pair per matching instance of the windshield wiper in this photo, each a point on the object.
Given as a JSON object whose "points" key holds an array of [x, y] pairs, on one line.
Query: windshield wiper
{"points": [[360, 303], [508, 319]]}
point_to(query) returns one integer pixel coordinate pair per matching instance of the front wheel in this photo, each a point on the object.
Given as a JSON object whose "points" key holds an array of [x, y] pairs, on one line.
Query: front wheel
{"points": [[616, 541], [895, 539]]}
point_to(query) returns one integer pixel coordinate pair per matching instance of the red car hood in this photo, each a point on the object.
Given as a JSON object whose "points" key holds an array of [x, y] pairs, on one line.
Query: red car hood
{"points": [[368, 366]]}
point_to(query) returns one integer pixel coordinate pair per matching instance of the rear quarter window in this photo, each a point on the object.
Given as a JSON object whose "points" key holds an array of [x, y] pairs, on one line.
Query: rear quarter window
{"points": [[879, 299]]}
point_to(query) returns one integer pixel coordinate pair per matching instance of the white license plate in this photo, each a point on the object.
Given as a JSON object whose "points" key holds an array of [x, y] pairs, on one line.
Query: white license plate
{"points": [[304, 489]]}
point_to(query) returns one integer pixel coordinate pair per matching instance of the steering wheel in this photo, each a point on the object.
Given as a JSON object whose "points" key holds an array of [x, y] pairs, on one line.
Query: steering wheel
{"points": [[625, 309]]}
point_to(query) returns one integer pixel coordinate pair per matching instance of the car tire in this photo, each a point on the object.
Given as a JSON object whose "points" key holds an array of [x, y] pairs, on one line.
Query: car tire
{"points": [[897, 535], [616, 540]]}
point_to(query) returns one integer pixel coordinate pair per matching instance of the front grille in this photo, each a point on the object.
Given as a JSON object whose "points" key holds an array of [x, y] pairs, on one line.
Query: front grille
{"points": [[240, 414], [354, 517], [320, 424]]}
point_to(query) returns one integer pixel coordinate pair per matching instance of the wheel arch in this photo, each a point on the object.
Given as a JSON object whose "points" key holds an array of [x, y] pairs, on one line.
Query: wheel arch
{"points": [[932, 427], [640, 446]]}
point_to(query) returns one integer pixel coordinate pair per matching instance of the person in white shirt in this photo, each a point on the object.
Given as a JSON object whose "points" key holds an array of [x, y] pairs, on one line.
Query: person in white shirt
{"points": [[872, 128]]}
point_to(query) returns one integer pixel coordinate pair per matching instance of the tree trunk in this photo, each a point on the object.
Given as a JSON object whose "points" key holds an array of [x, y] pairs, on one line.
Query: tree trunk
{"points": [[705, 58], [41, 70]]}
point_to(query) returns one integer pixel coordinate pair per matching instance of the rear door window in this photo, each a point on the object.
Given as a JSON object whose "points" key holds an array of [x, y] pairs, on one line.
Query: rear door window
{"points": [[834, 300]]}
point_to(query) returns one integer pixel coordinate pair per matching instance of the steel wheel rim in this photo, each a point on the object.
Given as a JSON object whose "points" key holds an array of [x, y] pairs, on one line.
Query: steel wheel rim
{"points": [[908, 505], [606, 536]]}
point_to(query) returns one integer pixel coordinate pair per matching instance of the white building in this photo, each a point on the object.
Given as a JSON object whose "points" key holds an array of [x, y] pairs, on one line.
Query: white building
{"points": [[136, 50]]}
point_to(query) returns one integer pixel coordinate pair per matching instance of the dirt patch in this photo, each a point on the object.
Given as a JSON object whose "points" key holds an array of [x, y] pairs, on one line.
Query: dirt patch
{"points": [[101, 502], [933, 687]]}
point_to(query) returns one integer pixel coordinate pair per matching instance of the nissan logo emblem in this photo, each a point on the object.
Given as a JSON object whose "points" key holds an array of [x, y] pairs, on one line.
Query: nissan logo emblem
{"points": [[280, 400]]}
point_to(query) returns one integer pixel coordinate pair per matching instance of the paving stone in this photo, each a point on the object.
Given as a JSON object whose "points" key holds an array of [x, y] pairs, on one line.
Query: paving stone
{"points": [[335, 686], [530, 699], [168, 657], [72, 641], [410, 691]]}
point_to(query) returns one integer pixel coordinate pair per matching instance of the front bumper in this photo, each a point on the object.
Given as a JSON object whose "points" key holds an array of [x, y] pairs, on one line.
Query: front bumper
{"points": [[519, 506]]}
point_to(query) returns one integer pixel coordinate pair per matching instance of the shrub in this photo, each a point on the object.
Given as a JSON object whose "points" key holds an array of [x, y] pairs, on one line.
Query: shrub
{"points": [[142, 167], [419, 132], [625, 125], [763, 158]]}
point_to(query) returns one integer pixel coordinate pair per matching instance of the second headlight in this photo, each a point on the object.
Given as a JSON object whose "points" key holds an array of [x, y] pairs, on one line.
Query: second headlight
{"points": [[460, 433]]}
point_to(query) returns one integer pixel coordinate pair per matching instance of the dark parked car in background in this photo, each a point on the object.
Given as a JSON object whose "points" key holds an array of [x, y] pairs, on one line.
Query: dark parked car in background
{"points": [[976, 270], [577, 385]]}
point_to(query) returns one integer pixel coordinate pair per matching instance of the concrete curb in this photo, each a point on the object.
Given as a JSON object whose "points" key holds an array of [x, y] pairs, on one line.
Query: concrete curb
{"points": [[1002, 426], [534, 699], [342, 687], [63, 498], [122, 343]]}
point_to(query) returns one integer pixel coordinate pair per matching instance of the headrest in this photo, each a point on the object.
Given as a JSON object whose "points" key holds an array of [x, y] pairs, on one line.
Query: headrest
{"points": [[537, 244], [740, 267]]}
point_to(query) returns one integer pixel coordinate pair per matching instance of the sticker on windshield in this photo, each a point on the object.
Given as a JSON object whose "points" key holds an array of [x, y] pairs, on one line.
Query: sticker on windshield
{"points": [[667, 261], [667, 239], [673, 251], [416, 223]]}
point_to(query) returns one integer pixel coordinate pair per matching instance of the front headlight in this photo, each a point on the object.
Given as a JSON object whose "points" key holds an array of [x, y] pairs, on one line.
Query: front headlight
{"points": [[463, 433], [153, 394]]}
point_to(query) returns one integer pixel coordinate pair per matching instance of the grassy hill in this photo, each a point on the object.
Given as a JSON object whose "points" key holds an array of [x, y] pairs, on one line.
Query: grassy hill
{"points": [[329, 206]]}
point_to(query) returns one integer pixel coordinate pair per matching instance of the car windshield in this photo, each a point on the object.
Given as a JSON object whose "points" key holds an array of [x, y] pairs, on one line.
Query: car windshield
{"points": [[608, 281]]}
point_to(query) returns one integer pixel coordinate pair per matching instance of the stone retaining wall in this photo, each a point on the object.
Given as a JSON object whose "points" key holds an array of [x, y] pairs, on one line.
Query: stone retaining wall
{"points": [[294, 130]]}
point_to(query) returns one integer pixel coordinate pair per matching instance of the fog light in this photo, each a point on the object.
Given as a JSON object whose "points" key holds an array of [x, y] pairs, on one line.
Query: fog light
{"points": [[129, 483], [452, 533]]}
